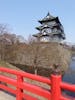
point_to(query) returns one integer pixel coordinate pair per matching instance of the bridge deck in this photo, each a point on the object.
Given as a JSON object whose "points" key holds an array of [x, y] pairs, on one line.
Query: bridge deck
{"points": [[6, 96]]}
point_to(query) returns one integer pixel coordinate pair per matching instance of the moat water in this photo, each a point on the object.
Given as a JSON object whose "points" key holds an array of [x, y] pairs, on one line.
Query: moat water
{"points": [[69, 76]]}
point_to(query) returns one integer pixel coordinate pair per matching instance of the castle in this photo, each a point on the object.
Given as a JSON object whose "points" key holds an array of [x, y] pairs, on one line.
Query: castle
{"points": [[51, 30]]}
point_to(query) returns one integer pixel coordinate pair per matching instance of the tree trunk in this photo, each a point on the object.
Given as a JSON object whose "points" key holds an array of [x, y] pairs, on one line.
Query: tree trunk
{"points": [[36, 71]]}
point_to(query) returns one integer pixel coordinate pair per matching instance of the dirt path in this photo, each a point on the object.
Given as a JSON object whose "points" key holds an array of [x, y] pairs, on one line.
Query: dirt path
{"points": [[5, 96]]}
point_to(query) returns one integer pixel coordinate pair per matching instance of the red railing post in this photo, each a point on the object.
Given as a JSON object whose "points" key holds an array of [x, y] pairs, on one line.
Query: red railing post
{"points": [[55, 87], [19, 90]]}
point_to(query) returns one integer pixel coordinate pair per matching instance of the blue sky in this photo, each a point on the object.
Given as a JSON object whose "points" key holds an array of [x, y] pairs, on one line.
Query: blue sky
{"points": [[21, 16]]}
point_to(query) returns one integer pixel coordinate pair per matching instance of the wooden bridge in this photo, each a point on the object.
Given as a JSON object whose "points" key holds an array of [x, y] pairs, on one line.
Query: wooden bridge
{"points": [[53, 93]]}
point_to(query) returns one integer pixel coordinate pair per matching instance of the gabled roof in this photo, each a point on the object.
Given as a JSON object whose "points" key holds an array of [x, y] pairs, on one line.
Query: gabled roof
{"points": [[42, 27], [47, 26], [40, 35], [47, 18]]}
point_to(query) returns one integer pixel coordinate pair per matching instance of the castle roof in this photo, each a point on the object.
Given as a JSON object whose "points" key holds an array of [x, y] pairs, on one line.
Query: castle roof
{"points": [[47, 26], [49, 17], [49, 34]]}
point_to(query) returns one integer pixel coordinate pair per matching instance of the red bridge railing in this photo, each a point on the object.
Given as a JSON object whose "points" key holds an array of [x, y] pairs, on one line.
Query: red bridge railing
{"points": [[55, 83]]}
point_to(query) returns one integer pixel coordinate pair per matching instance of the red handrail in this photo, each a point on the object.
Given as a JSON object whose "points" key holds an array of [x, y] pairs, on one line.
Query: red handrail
{"points": [[55, 83]]}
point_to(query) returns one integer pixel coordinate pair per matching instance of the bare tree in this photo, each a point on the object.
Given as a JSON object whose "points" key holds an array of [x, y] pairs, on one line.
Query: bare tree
{"points": [[3, 30], [20, 39], [6, 39], [31, 39], [36, 59]]}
